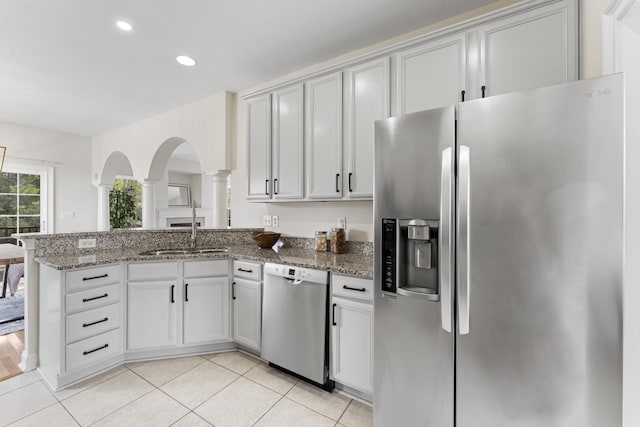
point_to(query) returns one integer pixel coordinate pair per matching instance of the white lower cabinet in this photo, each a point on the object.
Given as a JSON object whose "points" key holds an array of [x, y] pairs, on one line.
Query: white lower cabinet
{"points": [[180, 303], [80, 322], [152, 313], [247, 304], [206, 310], [351, 362]]}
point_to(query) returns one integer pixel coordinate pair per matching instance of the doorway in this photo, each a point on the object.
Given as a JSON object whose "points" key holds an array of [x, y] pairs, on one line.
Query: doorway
{"points": [[24, 208]]}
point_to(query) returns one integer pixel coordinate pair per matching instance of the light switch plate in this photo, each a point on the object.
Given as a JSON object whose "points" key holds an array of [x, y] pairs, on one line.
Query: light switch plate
{"points": [[275, 221], [86, 243], [266, 220]]}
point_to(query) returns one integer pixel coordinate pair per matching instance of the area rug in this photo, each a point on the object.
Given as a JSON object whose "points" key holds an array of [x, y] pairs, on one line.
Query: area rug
{"points": [[12, 313]]}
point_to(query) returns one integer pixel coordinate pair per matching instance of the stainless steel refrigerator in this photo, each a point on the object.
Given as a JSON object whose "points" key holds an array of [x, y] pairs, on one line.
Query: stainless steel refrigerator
{"points": [[499, 261]]}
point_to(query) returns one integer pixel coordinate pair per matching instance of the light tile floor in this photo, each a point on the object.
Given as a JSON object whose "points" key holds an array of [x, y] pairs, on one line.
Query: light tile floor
{"points": [[223, 389]]}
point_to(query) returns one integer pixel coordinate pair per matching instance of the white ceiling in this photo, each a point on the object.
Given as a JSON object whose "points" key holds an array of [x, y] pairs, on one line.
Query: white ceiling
{"points": [[64, 65]]}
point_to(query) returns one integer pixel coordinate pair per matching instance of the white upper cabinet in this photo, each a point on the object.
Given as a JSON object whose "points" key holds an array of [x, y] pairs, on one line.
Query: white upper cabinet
{"points": [[366, 100], [431, 75], [519, 47], [259, 147], [528, 50], [323, 137], [287, 143]]}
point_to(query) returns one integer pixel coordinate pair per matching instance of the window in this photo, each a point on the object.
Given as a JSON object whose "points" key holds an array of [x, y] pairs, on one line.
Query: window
{"points": [[20, 204]]}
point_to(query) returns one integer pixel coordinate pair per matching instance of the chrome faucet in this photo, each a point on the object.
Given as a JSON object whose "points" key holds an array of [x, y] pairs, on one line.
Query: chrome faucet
{"points": [[194, 229]]}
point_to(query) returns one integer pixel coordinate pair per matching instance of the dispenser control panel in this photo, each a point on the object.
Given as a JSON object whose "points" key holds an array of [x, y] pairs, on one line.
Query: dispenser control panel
{"points": [[389, 255]]}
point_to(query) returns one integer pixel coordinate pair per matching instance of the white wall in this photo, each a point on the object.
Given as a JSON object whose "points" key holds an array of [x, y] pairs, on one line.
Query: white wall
{"points": [[205, 124], [70, 157], [591, 22]]}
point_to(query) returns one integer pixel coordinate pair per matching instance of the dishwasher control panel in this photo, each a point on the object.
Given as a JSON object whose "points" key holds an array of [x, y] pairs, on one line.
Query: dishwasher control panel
{"points": [[297, 273]]}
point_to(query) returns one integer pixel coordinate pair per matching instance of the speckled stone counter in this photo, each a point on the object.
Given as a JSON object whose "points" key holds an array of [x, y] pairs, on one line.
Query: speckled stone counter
{"points": [[357, 264], [62, 252]]}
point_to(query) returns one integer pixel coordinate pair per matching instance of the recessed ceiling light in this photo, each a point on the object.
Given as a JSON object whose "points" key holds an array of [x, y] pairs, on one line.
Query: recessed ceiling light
{"points": [[124, 26], [187, 61]]}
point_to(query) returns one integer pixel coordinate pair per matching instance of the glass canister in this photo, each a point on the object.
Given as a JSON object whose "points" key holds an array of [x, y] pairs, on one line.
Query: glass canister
{"points": [[321, 241], [338, 241]]}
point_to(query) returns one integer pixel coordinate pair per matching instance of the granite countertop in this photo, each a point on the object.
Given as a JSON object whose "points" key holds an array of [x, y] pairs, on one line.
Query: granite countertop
{"points": [[356, 264]]}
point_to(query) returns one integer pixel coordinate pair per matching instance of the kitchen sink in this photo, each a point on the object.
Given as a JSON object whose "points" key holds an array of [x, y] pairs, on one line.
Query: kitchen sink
{"points": [[185, 251]]}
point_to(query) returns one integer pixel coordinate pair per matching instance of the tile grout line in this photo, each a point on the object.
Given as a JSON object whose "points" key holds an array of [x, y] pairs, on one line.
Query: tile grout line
{"points": [[33, 413], [170, 379], [269, 410], [125, 405], [82, 391], [215, 394], [317, 412], [345, 411]]}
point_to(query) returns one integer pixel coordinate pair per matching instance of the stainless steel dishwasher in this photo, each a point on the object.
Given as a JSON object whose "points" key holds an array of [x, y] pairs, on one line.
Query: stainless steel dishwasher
{"points": [[294, 321]]}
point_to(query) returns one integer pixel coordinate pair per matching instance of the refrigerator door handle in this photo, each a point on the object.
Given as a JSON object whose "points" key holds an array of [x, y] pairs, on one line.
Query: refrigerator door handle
{"points": [[464, 193], [445, 240]]}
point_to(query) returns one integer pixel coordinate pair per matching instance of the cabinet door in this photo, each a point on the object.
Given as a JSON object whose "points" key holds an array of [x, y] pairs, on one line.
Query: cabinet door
{"points": [[206, 310], [151, 314], [366, 100], [259, 147], [431, 75], [530, 50], [352, 344], [287, 143], [323, 137], [247, 313]]}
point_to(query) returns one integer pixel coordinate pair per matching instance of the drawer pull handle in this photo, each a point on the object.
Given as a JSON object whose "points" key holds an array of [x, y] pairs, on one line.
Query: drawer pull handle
{"points": [[244, 270], [84, 353], [94, 298], [354, 289], [84, 325], [333, 312], [102, 276]]}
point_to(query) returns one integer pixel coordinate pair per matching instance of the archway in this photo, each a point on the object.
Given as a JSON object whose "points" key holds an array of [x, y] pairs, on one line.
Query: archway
{"points": [[117, 164], [175, 179]]}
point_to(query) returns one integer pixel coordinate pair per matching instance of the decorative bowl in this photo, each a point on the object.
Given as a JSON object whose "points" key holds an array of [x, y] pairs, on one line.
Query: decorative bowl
{"points": [[265, 239]]}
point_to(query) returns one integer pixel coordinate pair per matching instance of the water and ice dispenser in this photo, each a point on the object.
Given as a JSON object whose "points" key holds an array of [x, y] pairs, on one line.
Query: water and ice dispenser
{"points": [[410, 257]]}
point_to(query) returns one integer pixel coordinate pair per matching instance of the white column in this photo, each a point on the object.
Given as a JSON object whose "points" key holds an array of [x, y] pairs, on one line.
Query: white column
{"points": [[103, 207], [30, 353], [219, 202], [148, 204]]}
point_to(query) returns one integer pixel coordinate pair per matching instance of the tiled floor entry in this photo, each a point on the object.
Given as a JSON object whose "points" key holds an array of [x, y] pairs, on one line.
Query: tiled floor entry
{"points": [[224, 389]]}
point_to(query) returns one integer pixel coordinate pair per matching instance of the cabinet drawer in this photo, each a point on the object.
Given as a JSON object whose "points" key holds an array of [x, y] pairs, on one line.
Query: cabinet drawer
{"points": [[94, 349], [92, 277], [92, 298], [207, 268], [352, 287], [93, 322], [247, 270], [153, 270]]}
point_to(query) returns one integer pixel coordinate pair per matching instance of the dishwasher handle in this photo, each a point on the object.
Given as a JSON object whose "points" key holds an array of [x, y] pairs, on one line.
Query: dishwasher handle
{"points": [[294, 281]]}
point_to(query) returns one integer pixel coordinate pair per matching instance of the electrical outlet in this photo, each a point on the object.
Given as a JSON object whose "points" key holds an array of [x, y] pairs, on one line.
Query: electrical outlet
{"points": [[86, 243], [67, 215], [342, 222], [266, 220], [275, 221]]}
